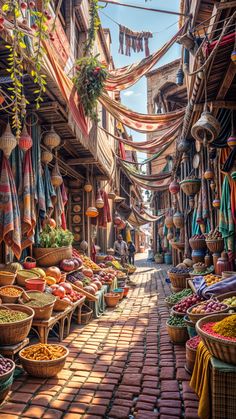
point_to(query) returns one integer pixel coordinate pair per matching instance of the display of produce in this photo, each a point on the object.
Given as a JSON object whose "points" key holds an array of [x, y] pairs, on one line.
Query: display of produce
{"points": [[211, 279], [43, 352], [176, 321], [176, 270], [11, 316], [224, 329], [186, 303], [6, 365], [230, 301], [88, 263], [208, 307], [69, 265], [55, 237], [175, 298], [193, 342], [65, 292], [199, 267], [39, 299], [214, 235], [115, 264], [10, 292]]}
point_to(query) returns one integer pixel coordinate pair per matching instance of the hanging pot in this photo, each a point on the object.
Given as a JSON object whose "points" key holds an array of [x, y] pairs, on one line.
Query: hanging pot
{"points": [[111, 195], [209, 174], [233, 56], [206, 128], [216, 203], [99, 201], [178, 219], [88, 187], [174, 187], [56, 177], [183, 145], [169, 221], [190, 186], [51, 139], [46, 157], [7, 141], [187, 40], [91, 212], [25, 140]]}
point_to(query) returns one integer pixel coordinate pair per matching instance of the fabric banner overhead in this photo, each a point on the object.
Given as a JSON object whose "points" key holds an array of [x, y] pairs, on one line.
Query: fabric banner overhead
{"points": [[150, 178]]}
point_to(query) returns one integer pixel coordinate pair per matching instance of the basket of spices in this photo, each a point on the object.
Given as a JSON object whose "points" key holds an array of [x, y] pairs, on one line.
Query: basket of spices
{"points": [[7, 278], [42, 304], [173, 299], [191, 351], [43, 360], [177, 330], [218, 333], [10, 294], [15, 323], [7, 368]]}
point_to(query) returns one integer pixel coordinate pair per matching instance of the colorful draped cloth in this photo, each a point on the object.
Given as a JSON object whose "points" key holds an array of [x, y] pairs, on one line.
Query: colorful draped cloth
{"points": [[50, 194], [143, 177], [10, 222], [203, 204], [27, 202], [65, 200], [59, 207], [141, 122], [200, 381], [226, 225], [104, 216]]}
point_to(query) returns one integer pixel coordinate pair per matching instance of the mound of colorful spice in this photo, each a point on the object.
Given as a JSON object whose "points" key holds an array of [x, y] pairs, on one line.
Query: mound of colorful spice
{"points": [[225, 329]]}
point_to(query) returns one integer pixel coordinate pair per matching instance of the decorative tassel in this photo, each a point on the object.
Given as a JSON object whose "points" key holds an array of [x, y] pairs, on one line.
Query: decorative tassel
{"points": [[135, 41]]}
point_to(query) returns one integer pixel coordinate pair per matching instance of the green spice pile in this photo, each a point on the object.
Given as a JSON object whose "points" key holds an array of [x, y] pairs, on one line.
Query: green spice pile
{"points": [[176, 321], [39, 299], [11, 316], [174, 298]]}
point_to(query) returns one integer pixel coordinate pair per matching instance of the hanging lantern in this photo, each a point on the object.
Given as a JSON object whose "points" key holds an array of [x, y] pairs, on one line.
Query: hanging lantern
{"points": [[180, 77], [46, 156], [233, 56], [99, 201], [91, 212], [56, 177], [209, 174], [88, 187], [183, 145], [7, 141], [207, 128], [51, 139], [174, 187], [25, 140], [178, 219], [111, 195], [216, 203]]}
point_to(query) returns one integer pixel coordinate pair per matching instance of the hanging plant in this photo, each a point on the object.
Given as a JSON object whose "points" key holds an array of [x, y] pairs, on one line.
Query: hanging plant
{"points": [[89, 81], [94, 25]]}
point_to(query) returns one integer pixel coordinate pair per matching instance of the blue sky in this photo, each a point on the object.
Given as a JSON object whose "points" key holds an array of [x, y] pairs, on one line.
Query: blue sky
{"points": [[138, 20]]}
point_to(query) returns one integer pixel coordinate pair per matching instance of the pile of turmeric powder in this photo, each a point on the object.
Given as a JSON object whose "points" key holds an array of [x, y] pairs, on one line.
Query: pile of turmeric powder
{"points": [[226, 327]]}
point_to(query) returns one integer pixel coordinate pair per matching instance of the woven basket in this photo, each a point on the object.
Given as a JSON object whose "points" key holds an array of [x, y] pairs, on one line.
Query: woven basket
{"points": [[52, 256], [178, 335], [176, 313], [195, 317], [43, 369], [7, 278], [13, 333], [197, 244], [215, 246], [227, 295], [190, 357], [177, 245], [25, 274], [178, 280], [169, 305], [10, 299], [61, 305], [190, 186], [86, 314], [7, 375], [45, 312], [222, 349], [111, 299]]}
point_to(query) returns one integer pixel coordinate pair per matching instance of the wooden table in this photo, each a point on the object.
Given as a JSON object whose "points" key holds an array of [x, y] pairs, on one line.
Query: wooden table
{"points": [[10, 351], [62, 318]]}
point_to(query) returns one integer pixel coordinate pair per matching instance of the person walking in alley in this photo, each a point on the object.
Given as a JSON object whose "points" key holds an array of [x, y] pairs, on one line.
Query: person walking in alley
{"points": [[131, 252], [121, 249]]}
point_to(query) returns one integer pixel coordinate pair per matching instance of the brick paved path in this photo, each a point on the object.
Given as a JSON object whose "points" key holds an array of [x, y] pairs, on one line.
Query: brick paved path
{"points": [[120, 366]]}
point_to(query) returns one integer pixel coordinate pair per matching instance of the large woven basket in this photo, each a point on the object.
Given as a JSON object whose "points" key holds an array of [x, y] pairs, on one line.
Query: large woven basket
{"points": [[44, 312], [61, 305], [178, 335], [177, 245], [7, 278], [215, 246], [178, 280], [194, 317], [222, 297], [86, 314], [197, 244], [43, 369], [52, 256], [10, 299], [13, 333], [190, 186], [24, 274], [222, 349]]}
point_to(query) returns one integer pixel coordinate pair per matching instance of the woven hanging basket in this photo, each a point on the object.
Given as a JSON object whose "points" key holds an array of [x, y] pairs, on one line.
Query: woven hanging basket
{"points": [[46, 156], [206, 128], [88, 187], [25, 140], [7, 141], [190, 186], [178, 220], [51, 139], [56, 177]]}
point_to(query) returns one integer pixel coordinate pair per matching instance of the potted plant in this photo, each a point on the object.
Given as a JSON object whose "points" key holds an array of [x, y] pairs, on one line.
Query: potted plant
{"points": [[54, 245]]}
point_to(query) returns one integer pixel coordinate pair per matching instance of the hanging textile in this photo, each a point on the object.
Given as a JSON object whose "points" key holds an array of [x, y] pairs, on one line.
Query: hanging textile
{"points": [[137, 121], [133, 41], [104, 216], [226, 224], [151, 178], [158, 186], [27, 202], [65, 200], [50, 194], [59, 207], [124, 77], [152, 158], [10, 222], [203, 203]]}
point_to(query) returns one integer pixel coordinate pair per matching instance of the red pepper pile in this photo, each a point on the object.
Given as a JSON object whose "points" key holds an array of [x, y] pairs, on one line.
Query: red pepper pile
{"points": [[193, 342]]}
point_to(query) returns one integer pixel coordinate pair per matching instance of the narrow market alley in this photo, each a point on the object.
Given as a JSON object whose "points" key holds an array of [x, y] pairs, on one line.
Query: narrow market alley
{"points": [[122, 365]]}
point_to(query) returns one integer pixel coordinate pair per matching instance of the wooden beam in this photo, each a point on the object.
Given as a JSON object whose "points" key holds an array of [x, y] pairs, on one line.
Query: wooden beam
{"points": [[87, 160], [227, 81], [226, 5], [215, 105]]}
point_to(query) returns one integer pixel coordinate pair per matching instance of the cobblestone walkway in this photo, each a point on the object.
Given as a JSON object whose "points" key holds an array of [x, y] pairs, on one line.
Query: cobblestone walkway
{"points": [[120, 366]]}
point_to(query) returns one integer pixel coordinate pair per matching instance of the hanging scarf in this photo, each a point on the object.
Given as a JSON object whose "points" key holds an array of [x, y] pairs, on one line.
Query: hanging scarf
{"points": [[59, 207], [133, 41], [104, 214], [10, 223], [27, 202], [65, 200], [226, 225], [50, 194]]}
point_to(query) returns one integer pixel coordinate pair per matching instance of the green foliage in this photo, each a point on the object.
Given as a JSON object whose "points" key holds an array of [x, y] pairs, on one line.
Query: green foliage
{"points": [[94, 25], [89, 81], [55, 237]]}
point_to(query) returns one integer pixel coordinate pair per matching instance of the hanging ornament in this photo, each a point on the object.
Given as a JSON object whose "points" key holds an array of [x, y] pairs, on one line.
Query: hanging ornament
{"points": [[216, 203], [46, 156], [56, 177], [91, 212], [83, 246], [25, 140], [209, 174], [178, 219], [232, 139], [174, 187], [187, 40], [233, 56], [180, 77], [207, 128], [99, 201], [7, 141], [88, 187], [183, 145], [111, 195], [51, 139]]}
